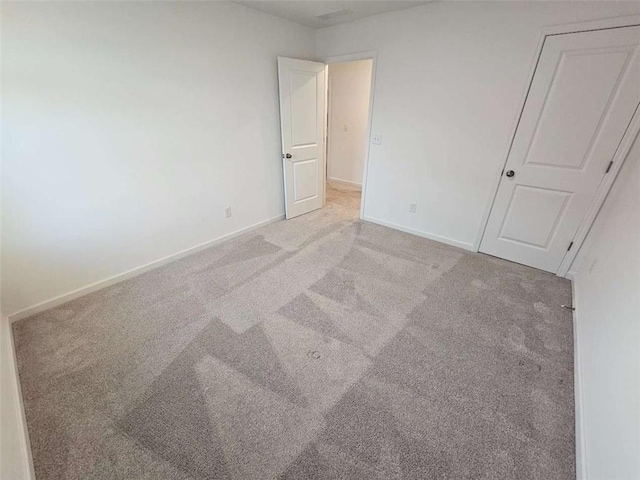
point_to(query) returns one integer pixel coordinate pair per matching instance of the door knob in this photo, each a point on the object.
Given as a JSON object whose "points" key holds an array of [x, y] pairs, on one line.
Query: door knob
{"points": [[510, 173], [288, 155]]}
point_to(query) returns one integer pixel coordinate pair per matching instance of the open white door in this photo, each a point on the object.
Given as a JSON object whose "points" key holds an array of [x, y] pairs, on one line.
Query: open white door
{"points": [[583, 96], [302, 119]]}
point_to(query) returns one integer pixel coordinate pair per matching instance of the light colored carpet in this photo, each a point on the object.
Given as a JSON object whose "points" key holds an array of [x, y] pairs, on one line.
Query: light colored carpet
{"points": [[316, 348]]}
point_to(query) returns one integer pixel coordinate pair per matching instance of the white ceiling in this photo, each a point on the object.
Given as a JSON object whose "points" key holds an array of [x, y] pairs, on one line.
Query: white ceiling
{"points": [[305, 12]]}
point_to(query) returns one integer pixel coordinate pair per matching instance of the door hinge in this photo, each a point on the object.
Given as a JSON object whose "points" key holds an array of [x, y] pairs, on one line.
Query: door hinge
{"points": [[570, 245], [609, 166]]}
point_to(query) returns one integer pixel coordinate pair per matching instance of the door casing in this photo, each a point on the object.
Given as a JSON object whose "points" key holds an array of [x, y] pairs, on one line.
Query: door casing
{"points": [[352, 57]]}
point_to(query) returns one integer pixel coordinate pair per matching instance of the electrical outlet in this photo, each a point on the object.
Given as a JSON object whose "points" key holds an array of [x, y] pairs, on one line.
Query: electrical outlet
{"points": [[413, 207], [376, 139], [227, 212]]}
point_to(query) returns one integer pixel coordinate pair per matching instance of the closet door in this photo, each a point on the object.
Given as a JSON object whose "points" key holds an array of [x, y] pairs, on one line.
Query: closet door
{"points": [[584, 93]]}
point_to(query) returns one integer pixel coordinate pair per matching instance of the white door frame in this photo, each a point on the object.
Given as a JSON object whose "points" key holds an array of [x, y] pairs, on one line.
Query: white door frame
{"points": [[352, 57], [601, 194], [617, 22]]}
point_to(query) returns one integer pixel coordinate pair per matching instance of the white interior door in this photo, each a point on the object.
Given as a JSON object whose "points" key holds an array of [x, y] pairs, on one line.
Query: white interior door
{"points": [[303, 118], [583, 95]]}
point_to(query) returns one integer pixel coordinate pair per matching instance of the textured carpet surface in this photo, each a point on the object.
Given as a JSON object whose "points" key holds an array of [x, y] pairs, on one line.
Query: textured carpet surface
{"points": [[316, 348]]}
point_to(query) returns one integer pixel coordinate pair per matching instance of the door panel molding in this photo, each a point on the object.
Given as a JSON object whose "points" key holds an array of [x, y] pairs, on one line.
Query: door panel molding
{"points": [[561, 208], [601, 115]]}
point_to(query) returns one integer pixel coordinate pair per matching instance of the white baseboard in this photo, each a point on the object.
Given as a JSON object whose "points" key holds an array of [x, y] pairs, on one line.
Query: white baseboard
{"points": [[430, 236], [20, 465], [344, 182], [66, 297], [581, 454]]}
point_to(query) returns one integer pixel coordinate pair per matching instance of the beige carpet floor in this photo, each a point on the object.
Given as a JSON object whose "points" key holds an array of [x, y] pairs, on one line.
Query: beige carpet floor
{"points": [[316, 348]]}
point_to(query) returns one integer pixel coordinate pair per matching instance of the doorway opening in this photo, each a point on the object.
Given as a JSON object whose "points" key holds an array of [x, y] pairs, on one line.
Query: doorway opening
{"points": [[349, 86], [318, 120]]}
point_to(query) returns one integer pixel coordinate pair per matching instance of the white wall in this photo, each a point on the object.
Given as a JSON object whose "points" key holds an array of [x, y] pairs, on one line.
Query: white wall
{"points": [[607, 287], [128, 127], [449, 80], [349, 90]]}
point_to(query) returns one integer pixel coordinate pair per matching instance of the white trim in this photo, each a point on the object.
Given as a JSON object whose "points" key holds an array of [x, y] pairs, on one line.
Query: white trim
{"points": [[621, 154], [419, 233], [616, 22], [327, 129], [581, 447], [30, 472], [344, 182], [325, 170], [351, 57], [600, 24], [66, 297], [23, 433]]}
